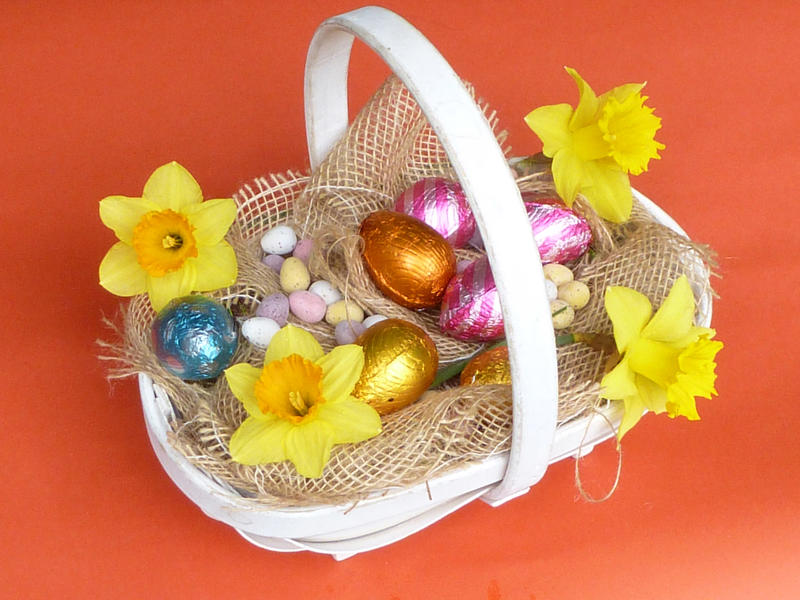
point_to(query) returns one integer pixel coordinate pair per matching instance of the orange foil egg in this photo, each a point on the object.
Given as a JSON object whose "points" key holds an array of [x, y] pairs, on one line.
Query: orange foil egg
{"points": [[409, 261], [400, 362], [488, 367]]}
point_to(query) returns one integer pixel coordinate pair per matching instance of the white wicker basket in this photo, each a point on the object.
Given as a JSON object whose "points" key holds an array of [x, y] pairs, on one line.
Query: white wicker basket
{"points": [[344, 530]]}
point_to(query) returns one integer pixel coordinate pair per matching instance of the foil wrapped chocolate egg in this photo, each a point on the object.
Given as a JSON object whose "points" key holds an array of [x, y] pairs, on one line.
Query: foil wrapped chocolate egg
{"points": [[409, 261], [194, 337], [443, 205], [471, 305], [400, 362], [488, 367], [561, 235]]}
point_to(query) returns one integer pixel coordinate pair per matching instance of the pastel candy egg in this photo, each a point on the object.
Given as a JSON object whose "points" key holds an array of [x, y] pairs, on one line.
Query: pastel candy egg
{"points": [[343, 311], [259, 330], [574, 293], [347, 332], [552, 290], [326, 291], [303, 250], [372, 319], [275, 307], [281, 239], [306, 306], [294, 275], [562, 313], [273, 261], [558, 274]]}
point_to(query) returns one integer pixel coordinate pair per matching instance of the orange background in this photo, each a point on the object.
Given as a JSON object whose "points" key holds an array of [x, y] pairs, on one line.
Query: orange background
{"points": [[94, 96]]}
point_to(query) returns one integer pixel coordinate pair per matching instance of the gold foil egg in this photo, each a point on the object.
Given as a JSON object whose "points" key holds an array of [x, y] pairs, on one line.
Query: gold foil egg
{"points": [[409, 261], [400, 362], [488, 367]]}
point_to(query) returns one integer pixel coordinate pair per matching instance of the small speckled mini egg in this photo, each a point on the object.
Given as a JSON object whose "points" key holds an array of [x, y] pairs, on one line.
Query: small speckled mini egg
{"points": [[294, 275], [557, 273], [259, 330], [303, 250], [574, 293], [273, 261], [326, 291], [306, 306], [343, 311], [347, 332], [194, 337], [275, 307], [281, 239], [562, 313], [372, 319]]}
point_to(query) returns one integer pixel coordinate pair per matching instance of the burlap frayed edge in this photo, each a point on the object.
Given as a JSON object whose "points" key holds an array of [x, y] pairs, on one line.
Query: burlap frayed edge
{"points": [[444, 430]]}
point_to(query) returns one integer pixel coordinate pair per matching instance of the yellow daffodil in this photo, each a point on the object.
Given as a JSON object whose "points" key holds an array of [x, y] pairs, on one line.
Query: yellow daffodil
{"points": [[597, 144], [170, 241], [300, 403], [666, 359]]}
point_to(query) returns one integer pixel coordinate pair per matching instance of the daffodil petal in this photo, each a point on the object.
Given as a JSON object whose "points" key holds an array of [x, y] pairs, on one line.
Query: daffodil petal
{"points": [[293, 340], [551, 124], [619, 383], [172, 186], [216, 267], [629, 312], [673, 319], [120, 272], [588, 103], [341, 368], [634, 409], [211, 219], [122, 214], [622, 92], [172, 285], [652, 395], [242, 379], [608, 190], [569, 174], [308, 446], [259, 441], [352, 420]]}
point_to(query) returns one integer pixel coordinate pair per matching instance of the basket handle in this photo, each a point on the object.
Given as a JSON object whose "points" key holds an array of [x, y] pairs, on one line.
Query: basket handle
{"points": [[493, 196]]}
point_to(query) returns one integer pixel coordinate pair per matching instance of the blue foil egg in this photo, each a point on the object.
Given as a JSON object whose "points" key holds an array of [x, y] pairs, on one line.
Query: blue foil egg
{"points": [[194, 337]]}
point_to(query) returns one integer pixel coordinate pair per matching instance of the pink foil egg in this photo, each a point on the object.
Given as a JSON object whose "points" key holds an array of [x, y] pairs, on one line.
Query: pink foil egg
{"points": [[443, 205], [560, 234], [471, 305]]}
